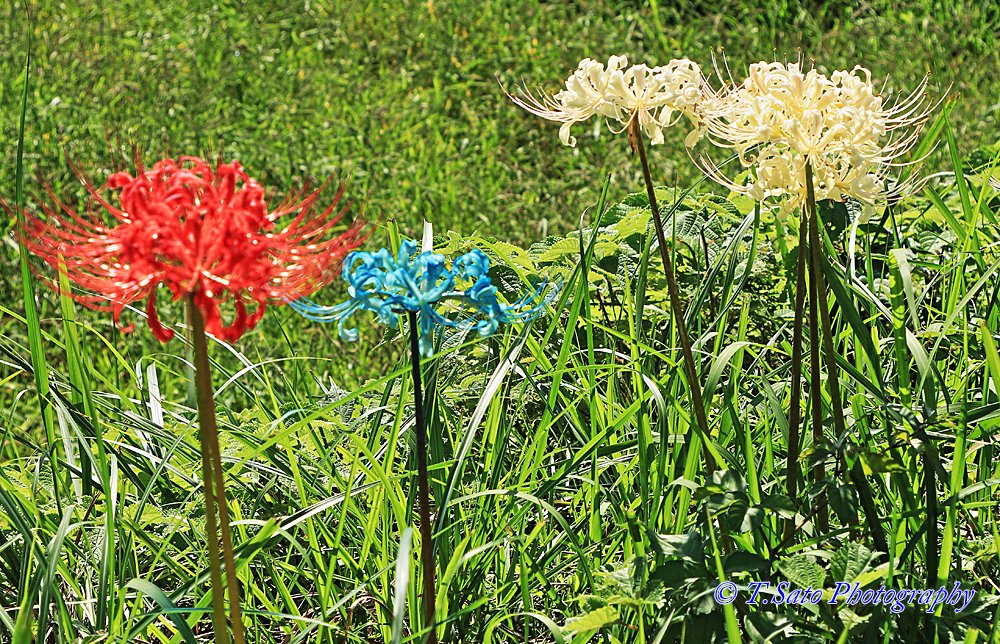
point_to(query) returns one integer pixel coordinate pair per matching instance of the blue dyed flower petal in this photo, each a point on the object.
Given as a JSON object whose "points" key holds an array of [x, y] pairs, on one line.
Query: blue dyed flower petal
{"points": [[390, 286]]}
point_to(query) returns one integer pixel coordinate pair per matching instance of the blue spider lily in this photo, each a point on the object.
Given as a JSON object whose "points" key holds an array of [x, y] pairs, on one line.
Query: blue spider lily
{"points": [[422, 283]]}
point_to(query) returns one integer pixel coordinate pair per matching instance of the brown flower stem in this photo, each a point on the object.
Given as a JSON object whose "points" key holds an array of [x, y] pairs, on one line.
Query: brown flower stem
{"points": [[423, 487], [815, 357], [216, 507], [795, 411], [694, 383]]}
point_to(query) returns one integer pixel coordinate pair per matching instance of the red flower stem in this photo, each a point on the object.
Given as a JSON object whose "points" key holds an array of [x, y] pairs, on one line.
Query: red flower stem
{"points": [[694, 383], [423, 487], [215, 491]]}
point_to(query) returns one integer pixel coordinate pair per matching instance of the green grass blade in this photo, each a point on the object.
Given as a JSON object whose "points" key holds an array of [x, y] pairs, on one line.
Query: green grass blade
{"points": [[167, 607], [401, 584], [38, 364]]}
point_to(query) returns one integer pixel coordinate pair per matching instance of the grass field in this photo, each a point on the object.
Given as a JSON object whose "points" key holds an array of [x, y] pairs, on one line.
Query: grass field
{"points": [[403, 97], [575, 497]]}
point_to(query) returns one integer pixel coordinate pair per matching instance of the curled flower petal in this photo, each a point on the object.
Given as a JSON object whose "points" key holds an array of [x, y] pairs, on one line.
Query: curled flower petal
{"points": [[159, 332], [392, 285], [655, 97]]}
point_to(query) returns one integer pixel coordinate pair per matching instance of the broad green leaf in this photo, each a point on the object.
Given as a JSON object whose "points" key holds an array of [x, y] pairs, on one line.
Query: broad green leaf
{"points": [[592, 621], [685, 546], [850, 561], [802, 571]]}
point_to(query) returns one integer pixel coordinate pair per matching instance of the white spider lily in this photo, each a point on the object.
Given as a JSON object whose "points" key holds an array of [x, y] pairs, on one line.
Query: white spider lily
{"points": [[655, 97], [779, 118]]}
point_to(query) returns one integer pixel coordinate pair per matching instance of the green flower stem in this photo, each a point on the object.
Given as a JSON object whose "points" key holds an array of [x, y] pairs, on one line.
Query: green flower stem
{"points": [[216, 507], [856, 474], [816, 381], [694, 383], [423, 487], [795, 411], [816, 247]]}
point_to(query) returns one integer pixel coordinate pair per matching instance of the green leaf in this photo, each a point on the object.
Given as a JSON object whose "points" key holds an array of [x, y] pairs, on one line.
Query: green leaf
{"points": [[560, 249], [741, 561], [686, 546], [511, 254], [838, 215], [604, 249], [680, 573], [167, 607], [779, 504], [743, 517], [593, 620], [992, 356], [554, 629], [844, 502], [635, 222], [879, 462], [726, 481], [769, 627], [721, 362], [802, 571], [850, 561]]}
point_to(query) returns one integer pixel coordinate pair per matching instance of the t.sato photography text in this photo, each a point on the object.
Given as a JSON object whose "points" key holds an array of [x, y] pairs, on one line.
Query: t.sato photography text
{"points": [[897, 600]]}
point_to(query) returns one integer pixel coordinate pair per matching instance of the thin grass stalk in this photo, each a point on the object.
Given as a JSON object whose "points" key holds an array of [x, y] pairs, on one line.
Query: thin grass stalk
{"points": [[694, 382], [931, 554], [728, 610], [82, 396], [795, 410], [902, 355], [39, 367], [644, 432], [216, 508], [423, 487], [958, 475], [23, 625], [943, 558]]}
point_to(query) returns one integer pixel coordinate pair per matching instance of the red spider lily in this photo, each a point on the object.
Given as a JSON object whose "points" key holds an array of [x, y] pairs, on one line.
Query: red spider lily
{"points": [[203, 232]]}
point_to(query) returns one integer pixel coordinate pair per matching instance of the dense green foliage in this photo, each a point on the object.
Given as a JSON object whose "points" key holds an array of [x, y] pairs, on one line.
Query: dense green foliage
{"points": [[573, 501]]}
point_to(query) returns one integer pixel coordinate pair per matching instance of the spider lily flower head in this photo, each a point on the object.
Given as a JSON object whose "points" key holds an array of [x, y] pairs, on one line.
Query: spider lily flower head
{"points": [[201, 231], [460, 297], [656, 97], [780, 118]]}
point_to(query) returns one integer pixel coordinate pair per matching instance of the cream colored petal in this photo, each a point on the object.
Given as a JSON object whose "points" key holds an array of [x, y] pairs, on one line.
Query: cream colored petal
{"points": [[565, 136]]}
